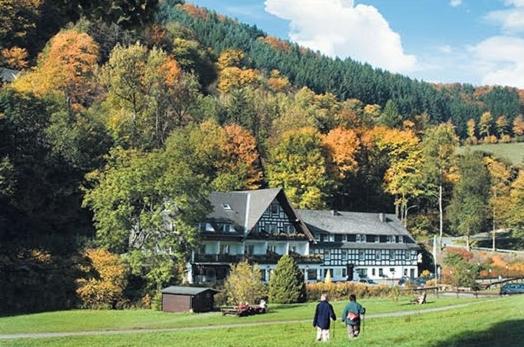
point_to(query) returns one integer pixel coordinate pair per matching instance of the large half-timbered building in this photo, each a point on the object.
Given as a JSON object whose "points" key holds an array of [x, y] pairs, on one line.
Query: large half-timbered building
{"points": [[261, 226]]}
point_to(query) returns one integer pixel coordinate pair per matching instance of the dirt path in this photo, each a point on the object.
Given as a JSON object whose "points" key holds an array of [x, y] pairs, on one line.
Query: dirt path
{"points": [[224, 326]]}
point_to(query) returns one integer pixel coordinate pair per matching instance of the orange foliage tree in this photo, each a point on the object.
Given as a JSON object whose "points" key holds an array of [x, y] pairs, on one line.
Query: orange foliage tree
{"points": [[67, 66], [518, 126], [342, 146], [104, 279], [240, 149]]}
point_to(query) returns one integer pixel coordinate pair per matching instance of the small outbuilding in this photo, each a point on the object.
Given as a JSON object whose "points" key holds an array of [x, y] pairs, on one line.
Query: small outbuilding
{"points": [[184, 299]]}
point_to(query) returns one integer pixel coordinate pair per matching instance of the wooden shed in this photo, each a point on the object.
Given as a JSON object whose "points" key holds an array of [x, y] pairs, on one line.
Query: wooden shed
{"points": [[184, 299]]}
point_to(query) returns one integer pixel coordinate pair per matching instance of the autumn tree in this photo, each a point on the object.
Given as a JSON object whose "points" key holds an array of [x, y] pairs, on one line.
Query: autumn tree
{"points": [[298, 164], [468, 207], [471, 130], [485, 125], [67, 67], [400, 151], [438, 149], [244, 284], [277, 82], [231, 75], [500, 180], [342, 146], [148, 96], [14, 58], [240, 150], [103, 281], [518, 126], [502, 126], [516, 208]]}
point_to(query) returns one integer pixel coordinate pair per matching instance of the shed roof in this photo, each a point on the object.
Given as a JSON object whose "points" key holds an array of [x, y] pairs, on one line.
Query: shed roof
{"points": [[185, 290]]}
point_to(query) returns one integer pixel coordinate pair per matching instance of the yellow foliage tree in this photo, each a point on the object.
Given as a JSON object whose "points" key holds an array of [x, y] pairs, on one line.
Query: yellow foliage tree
{"points": [[66, 66], [471, 129], [230, 58], [104, 279]]}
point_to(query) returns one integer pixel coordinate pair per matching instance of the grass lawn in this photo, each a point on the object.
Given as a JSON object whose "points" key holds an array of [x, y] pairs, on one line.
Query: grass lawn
{"points": [[513, 152], [85, 320], [498, 322]]}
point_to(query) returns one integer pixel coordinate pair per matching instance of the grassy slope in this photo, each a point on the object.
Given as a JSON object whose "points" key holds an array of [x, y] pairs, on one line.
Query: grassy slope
{"points": [[495, 323], [83, 320], [513, 152]]}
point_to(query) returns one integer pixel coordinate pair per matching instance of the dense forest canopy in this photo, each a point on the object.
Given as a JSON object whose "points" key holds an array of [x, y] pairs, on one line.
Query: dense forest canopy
{"points": [[121, 123]]}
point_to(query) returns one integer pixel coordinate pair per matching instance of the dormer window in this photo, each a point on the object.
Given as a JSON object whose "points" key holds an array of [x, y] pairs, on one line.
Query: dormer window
{"points": [[226, 207], [206, 227], [226, 228]]}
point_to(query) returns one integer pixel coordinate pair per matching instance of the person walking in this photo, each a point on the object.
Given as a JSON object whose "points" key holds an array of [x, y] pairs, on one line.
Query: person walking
{"points": [[352, 315], [322, 320]]}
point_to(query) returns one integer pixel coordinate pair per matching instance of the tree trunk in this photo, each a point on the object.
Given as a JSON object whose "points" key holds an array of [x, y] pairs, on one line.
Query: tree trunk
{"points": [[494, 248], [441, 214]]}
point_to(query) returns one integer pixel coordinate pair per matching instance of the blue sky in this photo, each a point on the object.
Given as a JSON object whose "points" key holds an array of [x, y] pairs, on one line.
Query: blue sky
{"points": [[472, 41]]}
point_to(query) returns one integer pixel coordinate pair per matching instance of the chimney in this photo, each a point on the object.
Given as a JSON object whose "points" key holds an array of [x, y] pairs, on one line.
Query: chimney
{"points": [[335, 213], [381, 217]]}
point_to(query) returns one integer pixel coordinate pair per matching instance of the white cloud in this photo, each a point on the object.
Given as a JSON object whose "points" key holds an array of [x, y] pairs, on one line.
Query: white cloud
{"points": [[500, 60], [341, 28], [511, 19], [455, 3]]}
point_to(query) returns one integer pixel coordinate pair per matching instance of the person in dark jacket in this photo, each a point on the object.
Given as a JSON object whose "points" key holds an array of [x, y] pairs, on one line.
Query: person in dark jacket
{"points": [[323, 313], [352, 315]]}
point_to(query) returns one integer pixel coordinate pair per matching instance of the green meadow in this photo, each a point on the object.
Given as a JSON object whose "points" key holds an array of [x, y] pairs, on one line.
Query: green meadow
{"points": [[514, 152], [466, 322]]}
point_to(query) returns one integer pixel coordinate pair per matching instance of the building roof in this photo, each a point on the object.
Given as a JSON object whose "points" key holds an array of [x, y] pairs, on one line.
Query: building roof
{"points": [[185, 290], [341, 222], [245, 208], [8, 75]]}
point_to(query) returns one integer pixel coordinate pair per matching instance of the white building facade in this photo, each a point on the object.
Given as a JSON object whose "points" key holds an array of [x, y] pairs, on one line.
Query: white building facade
{"points": [[261, 226]]}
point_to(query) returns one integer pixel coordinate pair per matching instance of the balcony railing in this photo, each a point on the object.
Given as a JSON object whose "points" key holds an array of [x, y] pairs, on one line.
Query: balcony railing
{"points": [[218, 258], [268, 258]]}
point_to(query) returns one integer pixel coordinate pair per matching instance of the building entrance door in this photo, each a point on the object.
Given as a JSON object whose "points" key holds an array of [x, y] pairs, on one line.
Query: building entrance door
{"points": [[349, 271]]}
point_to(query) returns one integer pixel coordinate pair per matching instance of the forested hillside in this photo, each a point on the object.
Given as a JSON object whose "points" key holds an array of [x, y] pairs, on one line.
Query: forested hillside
{"points": [[124, 118], [348, 79]]}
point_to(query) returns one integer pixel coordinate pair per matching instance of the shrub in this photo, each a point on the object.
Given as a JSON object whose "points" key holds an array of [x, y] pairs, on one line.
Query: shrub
{"points": [[342, 290], [287, 285], [156, 301], [244, 284], [490, 139], [459, 272], [505, 139], [104, 280]]}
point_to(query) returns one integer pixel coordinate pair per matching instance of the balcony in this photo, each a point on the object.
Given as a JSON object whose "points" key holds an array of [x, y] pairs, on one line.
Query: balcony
{"points": [[273, 258], [261, 235], [217, 258]]}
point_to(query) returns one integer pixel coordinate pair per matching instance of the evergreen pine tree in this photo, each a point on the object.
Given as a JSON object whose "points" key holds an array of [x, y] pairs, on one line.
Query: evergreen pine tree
{"points": [[287, 285]]}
